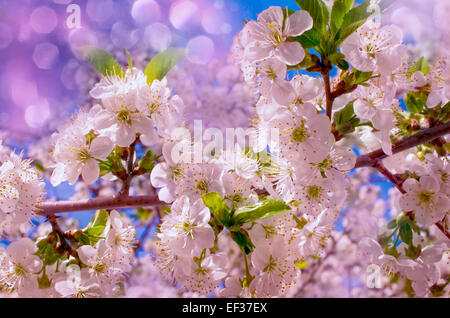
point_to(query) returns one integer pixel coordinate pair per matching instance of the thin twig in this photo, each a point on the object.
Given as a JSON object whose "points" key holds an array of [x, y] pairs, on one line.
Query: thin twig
{"points": [[329, 97], [423, 136], [118, 202]]}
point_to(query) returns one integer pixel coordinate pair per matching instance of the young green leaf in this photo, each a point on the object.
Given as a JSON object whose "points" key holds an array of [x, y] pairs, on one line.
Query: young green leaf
{"points": [[420, 65], [318, 11], [361, 77], [415, 101], [357, 16], [162, 63], [393, 224], [217, 207], [309, 39], [102, 61], [101, 217], [258, 211], [353, 20], [339, 10], [406, 234]]}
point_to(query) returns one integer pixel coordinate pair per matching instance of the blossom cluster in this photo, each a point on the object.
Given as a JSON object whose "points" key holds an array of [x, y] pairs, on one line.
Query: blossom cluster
{"points": [[260, 216]]}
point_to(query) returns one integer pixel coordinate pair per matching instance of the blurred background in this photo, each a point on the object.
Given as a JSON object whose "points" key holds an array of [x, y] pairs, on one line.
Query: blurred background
{"points": [[43, 78]]}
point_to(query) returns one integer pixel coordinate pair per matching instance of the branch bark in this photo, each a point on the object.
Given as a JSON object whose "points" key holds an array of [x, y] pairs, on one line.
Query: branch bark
{"points": [[329, 98], [423, 136], [117, 202]]}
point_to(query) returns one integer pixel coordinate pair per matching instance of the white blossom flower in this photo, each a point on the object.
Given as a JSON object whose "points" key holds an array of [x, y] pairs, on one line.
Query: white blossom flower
{"points": [[268, 36], [186, 228], [372, 48], [78, 153], [19, 265], [423, 197]]}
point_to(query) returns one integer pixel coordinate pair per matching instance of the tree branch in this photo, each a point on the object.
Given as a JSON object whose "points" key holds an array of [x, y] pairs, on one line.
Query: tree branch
{"points": [[423, 136], [117, 202], [329, 98]]}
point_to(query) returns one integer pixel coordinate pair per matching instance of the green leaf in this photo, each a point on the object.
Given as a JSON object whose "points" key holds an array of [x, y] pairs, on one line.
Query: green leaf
{"points": [[420, 65], [338, 60], [406, 234], [361, 77], [392, 225], [412, 251], [162, 63], [345, 114], [258, 211], [309, 39], [353, 20], [318, 11], [47, 252], [102, 61], [95, 231], [148, 161], [357, 16], [415, 101], [217, 207], [339, 10], [101, 217]]}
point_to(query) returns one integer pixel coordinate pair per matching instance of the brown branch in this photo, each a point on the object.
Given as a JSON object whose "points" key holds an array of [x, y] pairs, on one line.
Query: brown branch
{"points": [[118, 202], [63, 247], [423, 136], [442, 229], [397, 182], [329, 98]]}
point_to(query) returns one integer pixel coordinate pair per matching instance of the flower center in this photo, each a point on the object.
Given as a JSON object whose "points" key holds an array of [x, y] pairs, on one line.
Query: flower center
{"points": [[314, 191], [275, 37], [84, 155], [188, 229], [271, 73], [124, 117], [271, 265], [99, 267], [425, 196], [80, 294], [203, 186], [19, 270], [300, 133]]}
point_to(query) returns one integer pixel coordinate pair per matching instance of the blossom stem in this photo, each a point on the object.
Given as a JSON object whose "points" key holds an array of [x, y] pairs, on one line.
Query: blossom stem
{"points": [[248, 276], [130, 167], [423, 136], [329, 98], [117, 202], [62, 235]]}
